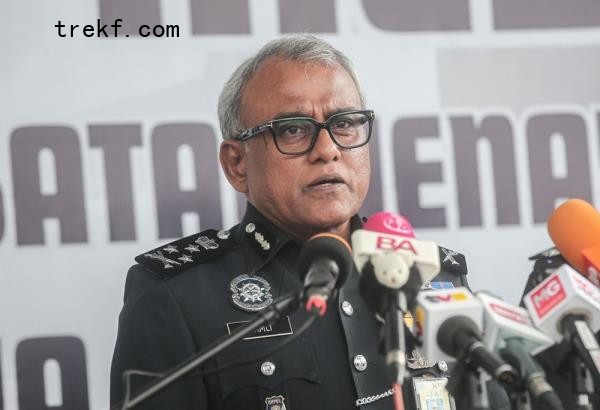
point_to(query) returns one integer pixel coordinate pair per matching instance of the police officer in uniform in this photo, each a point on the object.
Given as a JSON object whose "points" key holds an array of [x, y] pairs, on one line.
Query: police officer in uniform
{"points": [[295, 143]]}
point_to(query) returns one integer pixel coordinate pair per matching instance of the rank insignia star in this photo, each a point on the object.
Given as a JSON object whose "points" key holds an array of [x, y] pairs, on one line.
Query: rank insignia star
{"points": [[185, 258], [192, 248], [170, 249]]}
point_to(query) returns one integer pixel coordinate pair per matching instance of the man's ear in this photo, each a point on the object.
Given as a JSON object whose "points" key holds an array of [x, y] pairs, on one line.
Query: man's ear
{"points": [[233, 161]]}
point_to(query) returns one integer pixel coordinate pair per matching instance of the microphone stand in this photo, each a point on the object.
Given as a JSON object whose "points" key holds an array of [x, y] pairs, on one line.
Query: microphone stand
{"points": [[582, 386], [395, 345], [276, 310]]}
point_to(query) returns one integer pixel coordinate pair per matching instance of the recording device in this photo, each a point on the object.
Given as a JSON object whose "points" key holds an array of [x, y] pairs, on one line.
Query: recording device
{"points": [[389, 258], [544, 265], [450, 323], [566, 306], [327, 260], [385, 255], [509, 332], [575, 230]]}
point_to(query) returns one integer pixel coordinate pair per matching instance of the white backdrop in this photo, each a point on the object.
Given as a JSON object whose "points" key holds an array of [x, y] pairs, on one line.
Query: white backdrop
{"points": [[487, 116]]}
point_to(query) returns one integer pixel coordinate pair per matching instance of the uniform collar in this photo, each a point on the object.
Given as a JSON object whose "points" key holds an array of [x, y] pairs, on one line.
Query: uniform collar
{"points": [[262, 240]]}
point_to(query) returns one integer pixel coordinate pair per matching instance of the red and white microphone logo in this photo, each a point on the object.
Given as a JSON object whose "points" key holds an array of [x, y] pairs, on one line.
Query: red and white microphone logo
{"points": [[388, 243], [548, 296], [399, 225], [511, 314]]}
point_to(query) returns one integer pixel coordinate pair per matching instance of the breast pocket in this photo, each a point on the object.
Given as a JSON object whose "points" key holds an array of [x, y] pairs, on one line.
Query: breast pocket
{"points": [[297, 360]]}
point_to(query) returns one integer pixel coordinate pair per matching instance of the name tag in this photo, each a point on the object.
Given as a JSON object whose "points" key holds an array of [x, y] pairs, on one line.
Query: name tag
{"points": [[431, 393], [282, 327]]}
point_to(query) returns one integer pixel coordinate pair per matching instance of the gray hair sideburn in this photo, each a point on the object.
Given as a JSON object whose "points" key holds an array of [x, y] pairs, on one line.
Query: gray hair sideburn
{"points": [[296, 47]]}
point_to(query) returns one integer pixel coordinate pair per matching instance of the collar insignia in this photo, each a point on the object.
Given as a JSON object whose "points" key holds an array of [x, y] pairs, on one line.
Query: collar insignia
{"points": [[260, 238], [275, 403], [250, 293]]}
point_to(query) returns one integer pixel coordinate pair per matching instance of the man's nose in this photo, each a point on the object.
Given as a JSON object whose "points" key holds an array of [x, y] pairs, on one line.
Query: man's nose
{"points": [[325, 149]]}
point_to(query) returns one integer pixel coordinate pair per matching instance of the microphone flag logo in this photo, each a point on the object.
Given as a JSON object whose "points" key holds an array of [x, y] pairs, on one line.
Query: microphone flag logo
{"points": [[548, 296]]}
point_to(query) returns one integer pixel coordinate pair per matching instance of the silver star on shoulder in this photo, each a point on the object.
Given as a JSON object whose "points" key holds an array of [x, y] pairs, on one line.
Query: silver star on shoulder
{"points": [[192, 248], [262, 241], [170, 249], [207, 243], [449, 256], [158, 255], [185, 258]]}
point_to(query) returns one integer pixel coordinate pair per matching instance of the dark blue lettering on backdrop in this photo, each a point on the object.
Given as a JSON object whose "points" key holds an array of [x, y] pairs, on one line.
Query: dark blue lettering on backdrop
{"points": [[210, 17], [68, 353], [171, 201]]}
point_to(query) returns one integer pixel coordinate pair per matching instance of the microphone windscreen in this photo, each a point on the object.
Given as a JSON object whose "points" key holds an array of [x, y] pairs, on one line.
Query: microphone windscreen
{"points": [[331, 246], [448, 334], [573, 227], [387, 222]]}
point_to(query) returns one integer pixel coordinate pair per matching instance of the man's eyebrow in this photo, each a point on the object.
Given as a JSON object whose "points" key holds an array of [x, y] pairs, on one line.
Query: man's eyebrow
{"points": [[292, 114]]}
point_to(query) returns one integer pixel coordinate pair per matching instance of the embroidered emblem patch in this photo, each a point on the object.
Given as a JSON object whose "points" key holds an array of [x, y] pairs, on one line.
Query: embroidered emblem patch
{"points": [[250, 293], [275, 403]]}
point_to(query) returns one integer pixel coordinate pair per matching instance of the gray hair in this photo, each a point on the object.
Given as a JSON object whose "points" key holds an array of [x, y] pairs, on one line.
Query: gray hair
{"points": [[296, 47]]}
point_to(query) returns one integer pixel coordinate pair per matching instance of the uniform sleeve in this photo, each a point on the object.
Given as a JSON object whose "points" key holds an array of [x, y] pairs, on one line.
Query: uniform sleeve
{"points": [[153, 336]]}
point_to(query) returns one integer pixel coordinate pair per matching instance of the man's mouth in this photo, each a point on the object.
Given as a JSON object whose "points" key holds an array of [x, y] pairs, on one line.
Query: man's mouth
{"points": [[326, 180]]}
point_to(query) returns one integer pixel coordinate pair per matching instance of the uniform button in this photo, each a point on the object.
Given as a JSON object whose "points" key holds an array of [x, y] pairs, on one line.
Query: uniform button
{"points": [[267, 368], [347, 308], [360, 362], [250, 227]]}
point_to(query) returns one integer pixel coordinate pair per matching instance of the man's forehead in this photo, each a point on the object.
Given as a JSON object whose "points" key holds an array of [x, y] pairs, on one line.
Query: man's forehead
{"points": [[287, 88]]}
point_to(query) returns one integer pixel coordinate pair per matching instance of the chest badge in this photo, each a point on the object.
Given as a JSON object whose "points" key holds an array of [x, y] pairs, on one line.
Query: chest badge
{"points": [[275, 403], [250, 293]]}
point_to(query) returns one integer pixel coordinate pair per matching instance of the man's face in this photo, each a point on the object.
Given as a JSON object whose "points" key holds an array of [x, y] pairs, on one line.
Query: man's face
{"points": [[317, 191]]}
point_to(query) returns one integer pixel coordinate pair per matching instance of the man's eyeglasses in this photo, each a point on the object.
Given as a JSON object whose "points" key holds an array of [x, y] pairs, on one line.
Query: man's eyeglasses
{"points": [[298, 135]]}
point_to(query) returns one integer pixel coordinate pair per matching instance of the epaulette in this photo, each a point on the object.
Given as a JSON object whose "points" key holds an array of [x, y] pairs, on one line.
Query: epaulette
{"points": [[546, 254], [452, 261], [547, 262], [175, 257]]}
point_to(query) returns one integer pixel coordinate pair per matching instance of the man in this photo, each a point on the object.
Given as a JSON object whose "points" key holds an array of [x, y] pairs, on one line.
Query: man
{"points": [[296, 133]]}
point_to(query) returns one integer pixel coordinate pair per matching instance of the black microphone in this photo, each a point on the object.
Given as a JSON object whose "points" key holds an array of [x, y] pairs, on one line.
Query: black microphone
{"points": [[459, 337], [327, 260], [532, 374]]}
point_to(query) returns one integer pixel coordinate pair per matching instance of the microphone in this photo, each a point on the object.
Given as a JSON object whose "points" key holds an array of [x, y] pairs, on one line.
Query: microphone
{"points": [[449, 322], [508, 331], [327, 260], [389, 246], [566, 307], [387, 257], [575, 230]]}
